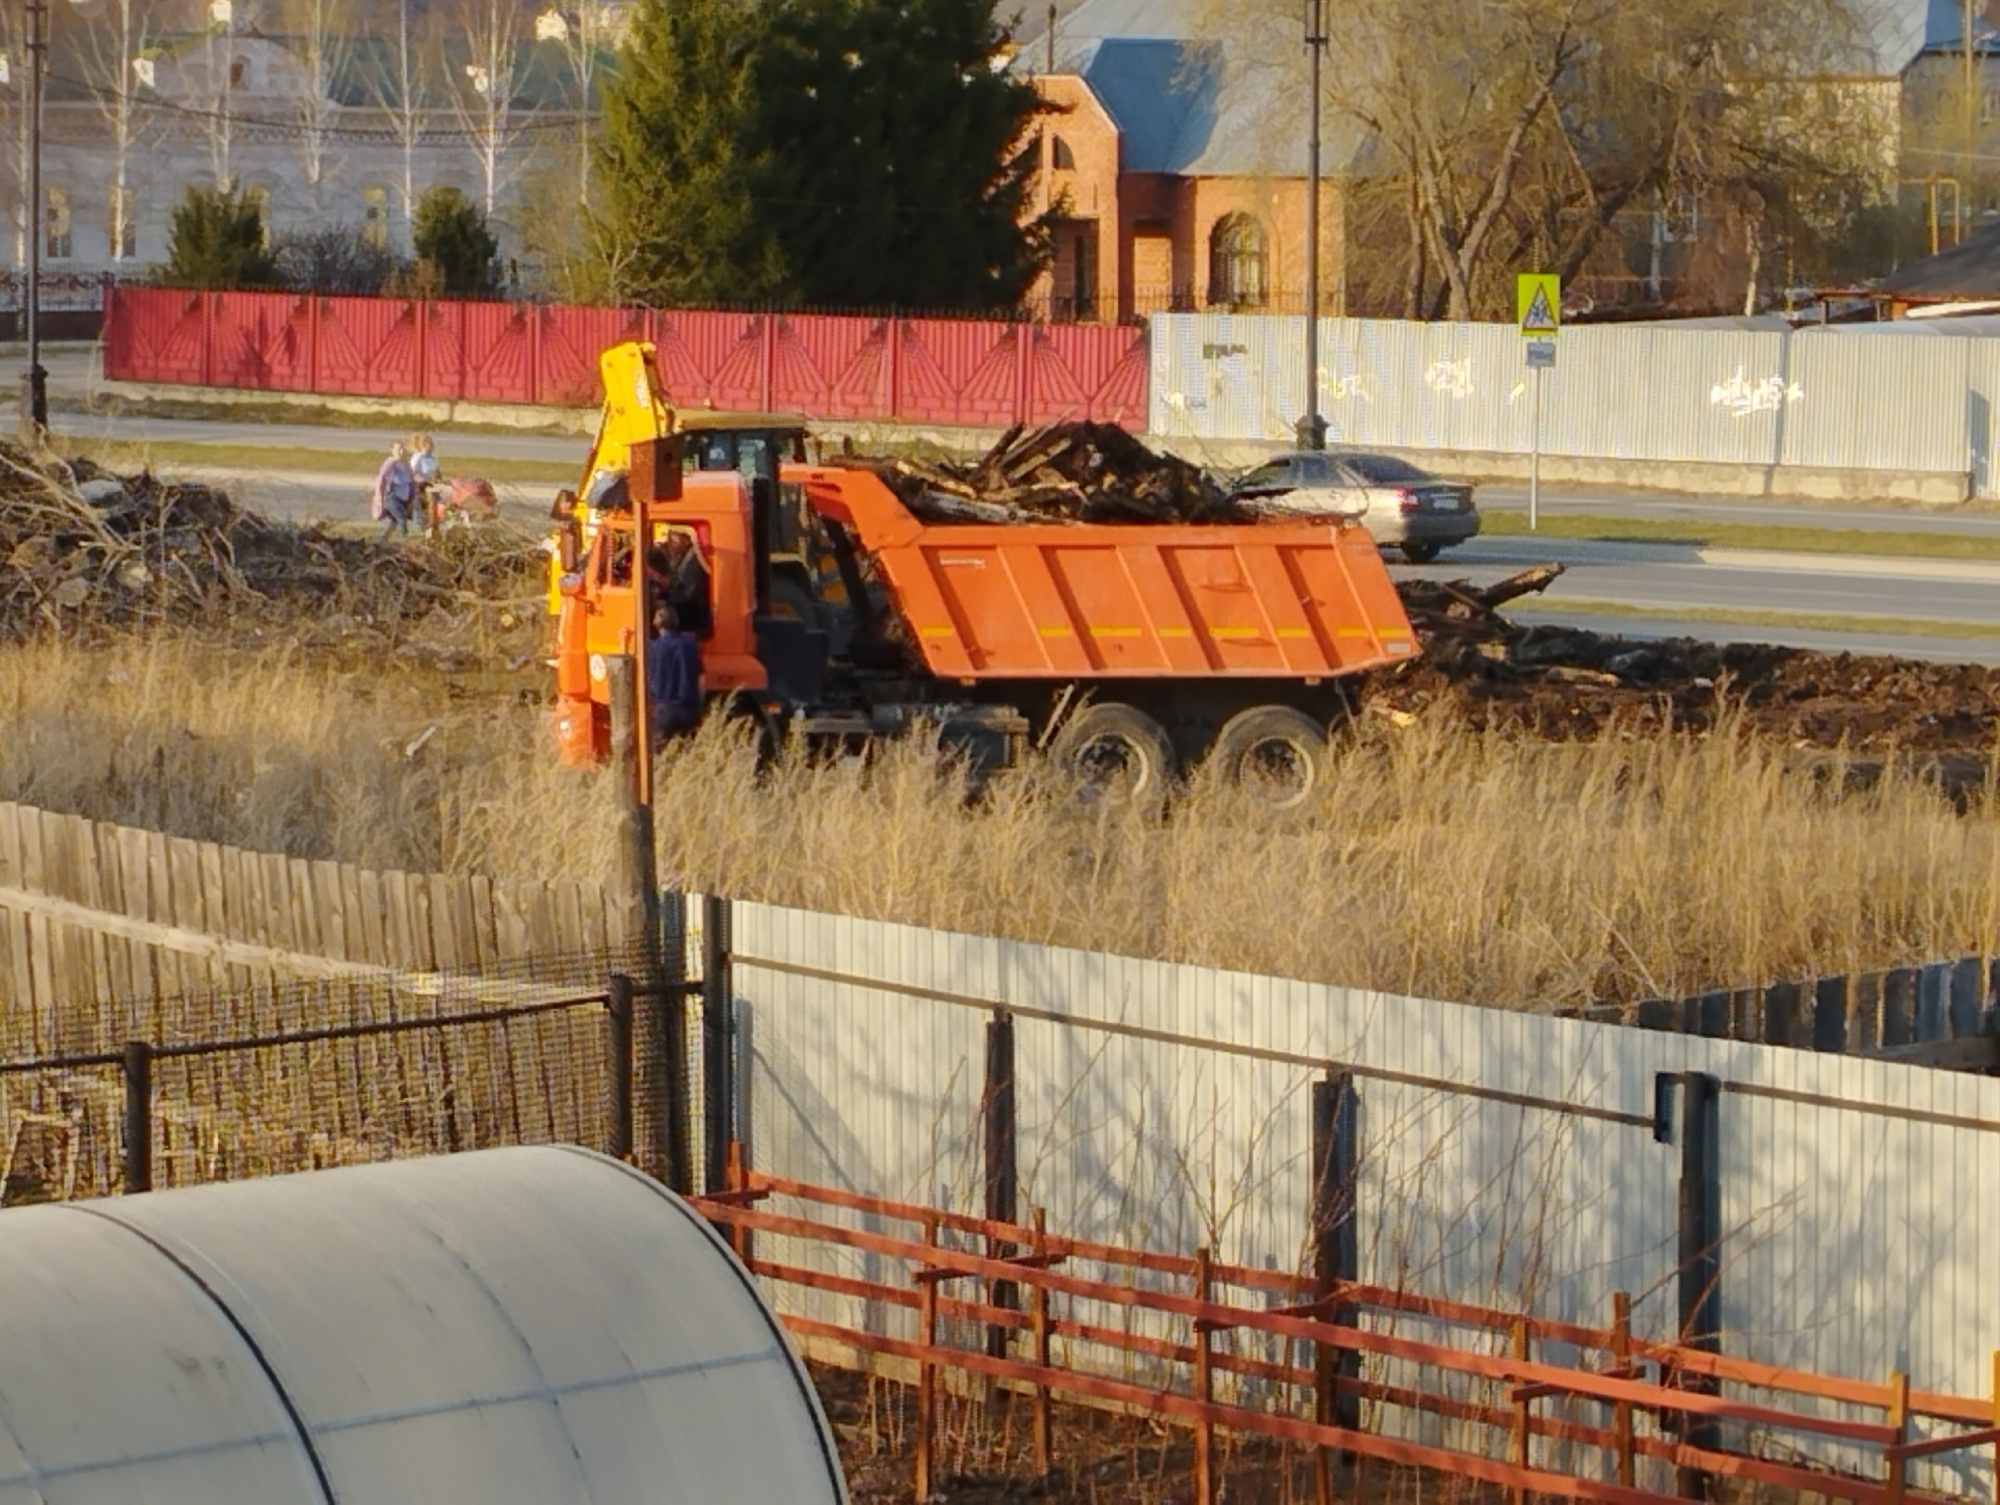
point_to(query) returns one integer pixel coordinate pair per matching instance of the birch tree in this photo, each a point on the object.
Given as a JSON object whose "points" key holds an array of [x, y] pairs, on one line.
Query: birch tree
{"points": [[586, 35], [14, 64], [322, 40], [402, 81], [113, 53], [482, 93]]}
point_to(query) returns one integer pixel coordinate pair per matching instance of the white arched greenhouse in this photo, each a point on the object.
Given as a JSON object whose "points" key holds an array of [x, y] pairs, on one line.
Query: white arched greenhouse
{"points": [[521, 1325]]}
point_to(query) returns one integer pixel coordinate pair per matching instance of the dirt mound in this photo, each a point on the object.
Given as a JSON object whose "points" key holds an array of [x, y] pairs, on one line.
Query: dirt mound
{"points": [[83, 548], [1567, 683]]}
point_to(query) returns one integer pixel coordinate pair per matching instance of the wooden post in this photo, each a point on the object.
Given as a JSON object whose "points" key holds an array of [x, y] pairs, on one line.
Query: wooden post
{"points": [[618, 1004], [138, 1115], [926, 1369], [1523, 1410], [1039, 1299], [635, 816], [1204, 1390], [1621, 1350], [1899, 1421]]}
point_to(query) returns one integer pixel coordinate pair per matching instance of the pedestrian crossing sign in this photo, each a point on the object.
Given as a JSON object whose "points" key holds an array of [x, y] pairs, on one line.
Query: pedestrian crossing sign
{"points": [[1538, 304]]}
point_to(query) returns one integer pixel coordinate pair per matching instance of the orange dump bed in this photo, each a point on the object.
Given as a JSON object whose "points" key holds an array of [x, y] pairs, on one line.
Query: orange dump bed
{"points": [[1124, 600]]}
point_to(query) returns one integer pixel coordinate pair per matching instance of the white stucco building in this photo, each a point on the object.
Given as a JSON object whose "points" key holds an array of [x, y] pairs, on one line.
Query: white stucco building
{"points": [[320, 133]]}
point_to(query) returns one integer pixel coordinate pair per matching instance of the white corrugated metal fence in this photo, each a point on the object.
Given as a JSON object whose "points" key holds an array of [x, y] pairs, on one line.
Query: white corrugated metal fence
{"points": [[1505, 1159], [1809, 399]]}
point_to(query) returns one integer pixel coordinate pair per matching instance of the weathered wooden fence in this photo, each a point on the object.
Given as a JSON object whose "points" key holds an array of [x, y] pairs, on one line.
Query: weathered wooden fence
{"points": [[92, 913]]}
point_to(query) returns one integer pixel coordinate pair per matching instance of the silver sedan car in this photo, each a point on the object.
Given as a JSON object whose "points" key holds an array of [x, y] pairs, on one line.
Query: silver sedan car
{"points": [[1401, 505]]}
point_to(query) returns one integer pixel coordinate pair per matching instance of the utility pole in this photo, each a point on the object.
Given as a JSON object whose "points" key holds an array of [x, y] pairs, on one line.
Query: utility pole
{"points": [[1312, 427], [35, 381]]}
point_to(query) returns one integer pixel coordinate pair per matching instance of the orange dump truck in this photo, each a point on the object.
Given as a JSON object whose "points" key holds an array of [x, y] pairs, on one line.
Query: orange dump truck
{"points": [[1128, 650]]}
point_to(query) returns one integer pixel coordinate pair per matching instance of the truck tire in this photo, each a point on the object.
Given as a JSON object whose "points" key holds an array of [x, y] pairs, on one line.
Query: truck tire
{"points": [[1118, 755], [1421, 553], [1275, 754]]}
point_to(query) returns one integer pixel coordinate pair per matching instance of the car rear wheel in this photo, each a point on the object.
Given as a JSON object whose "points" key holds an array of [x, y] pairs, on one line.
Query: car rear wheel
{"points": [[1118, 755], [1276, 755], [1421, 553]]}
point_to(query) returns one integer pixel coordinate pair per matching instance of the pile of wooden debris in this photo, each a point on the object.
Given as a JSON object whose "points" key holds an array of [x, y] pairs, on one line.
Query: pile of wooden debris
{"points": [[81, 548], [1063, 473]]}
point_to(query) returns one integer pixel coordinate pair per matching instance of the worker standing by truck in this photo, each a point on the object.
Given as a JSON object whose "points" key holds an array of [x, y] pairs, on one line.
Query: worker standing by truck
{"points": [[673, 677], [686, 587]]}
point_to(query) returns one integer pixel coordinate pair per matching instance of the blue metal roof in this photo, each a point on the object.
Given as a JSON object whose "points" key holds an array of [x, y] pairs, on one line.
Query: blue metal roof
{"points": [[1183, 103]]}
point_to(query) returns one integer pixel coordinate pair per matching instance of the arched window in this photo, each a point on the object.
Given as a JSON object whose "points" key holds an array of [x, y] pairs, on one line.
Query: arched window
{"points": [[375, 216], [258, 197], [239, 72], [1236, 262], [1061, 157]]}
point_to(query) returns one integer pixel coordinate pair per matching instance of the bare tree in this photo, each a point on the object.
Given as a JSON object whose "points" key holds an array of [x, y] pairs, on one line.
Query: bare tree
{"points": [[402, 82], [1516, 134], [322, 39], [14, 64], [482, 92], [586, 34], [113, 56]]}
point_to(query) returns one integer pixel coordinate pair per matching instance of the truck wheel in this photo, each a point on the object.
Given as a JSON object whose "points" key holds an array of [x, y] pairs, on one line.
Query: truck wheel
{"points": [[1421, 553], [1273, 753], [1118, 754]]}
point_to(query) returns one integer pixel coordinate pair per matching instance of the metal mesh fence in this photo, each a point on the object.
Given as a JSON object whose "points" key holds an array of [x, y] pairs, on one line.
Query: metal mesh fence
{"points": [[308, 1074]]}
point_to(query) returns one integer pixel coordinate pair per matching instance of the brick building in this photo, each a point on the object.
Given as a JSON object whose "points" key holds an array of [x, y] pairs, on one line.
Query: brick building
{"points": [[1179, 177]]}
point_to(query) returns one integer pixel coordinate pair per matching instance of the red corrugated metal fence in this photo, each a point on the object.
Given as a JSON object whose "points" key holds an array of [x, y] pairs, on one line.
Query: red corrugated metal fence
{"points": [[962, 373]]}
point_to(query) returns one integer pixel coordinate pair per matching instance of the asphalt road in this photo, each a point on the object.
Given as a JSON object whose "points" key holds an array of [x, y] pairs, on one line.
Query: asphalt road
{"points": [[1663, 578]]}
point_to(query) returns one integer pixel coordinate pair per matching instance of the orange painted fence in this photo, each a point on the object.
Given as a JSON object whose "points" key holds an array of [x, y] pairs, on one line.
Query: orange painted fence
{"points": [[1012, 1281], [975, 373]]}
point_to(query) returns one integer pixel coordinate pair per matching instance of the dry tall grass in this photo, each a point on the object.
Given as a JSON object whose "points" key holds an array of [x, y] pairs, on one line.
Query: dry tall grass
{"points": [[1440, 862]]}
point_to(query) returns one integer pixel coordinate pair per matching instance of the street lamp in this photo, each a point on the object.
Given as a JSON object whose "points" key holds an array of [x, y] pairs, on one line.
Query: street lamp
{"points": [[1312, 427]]}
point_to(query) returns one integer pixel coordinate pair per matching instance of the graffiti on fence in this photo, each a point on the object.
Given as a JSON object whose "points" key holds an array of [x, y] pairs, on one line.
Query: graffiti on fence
{"points": [[1741, 396], [1449, 377]]}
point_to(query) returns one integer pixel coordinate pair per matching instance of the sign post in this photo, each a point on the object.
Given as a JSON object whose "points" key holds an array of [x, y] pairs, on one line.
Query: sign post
{"points": [[1538, 310]]}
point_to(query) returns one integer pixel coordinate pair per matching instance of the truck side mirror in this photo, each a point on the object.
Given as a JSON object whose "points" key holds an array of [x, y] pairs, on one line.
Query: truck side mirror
{"points": [[569, 545]]}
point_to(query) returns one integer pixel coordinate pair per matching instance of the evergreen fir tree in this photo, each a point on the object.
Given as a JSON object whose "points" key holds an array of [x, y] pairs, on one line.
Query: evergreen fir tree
{"points": [[829, 153], [904, 182], [450, 233], [217, 241], [680, 222]]}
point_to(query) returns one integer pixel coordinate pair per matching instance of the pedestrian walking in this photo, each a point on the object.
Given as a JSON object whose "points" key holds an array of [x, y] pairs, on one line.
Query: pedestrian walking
{"points": [[427, 483], [395, 492]]}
